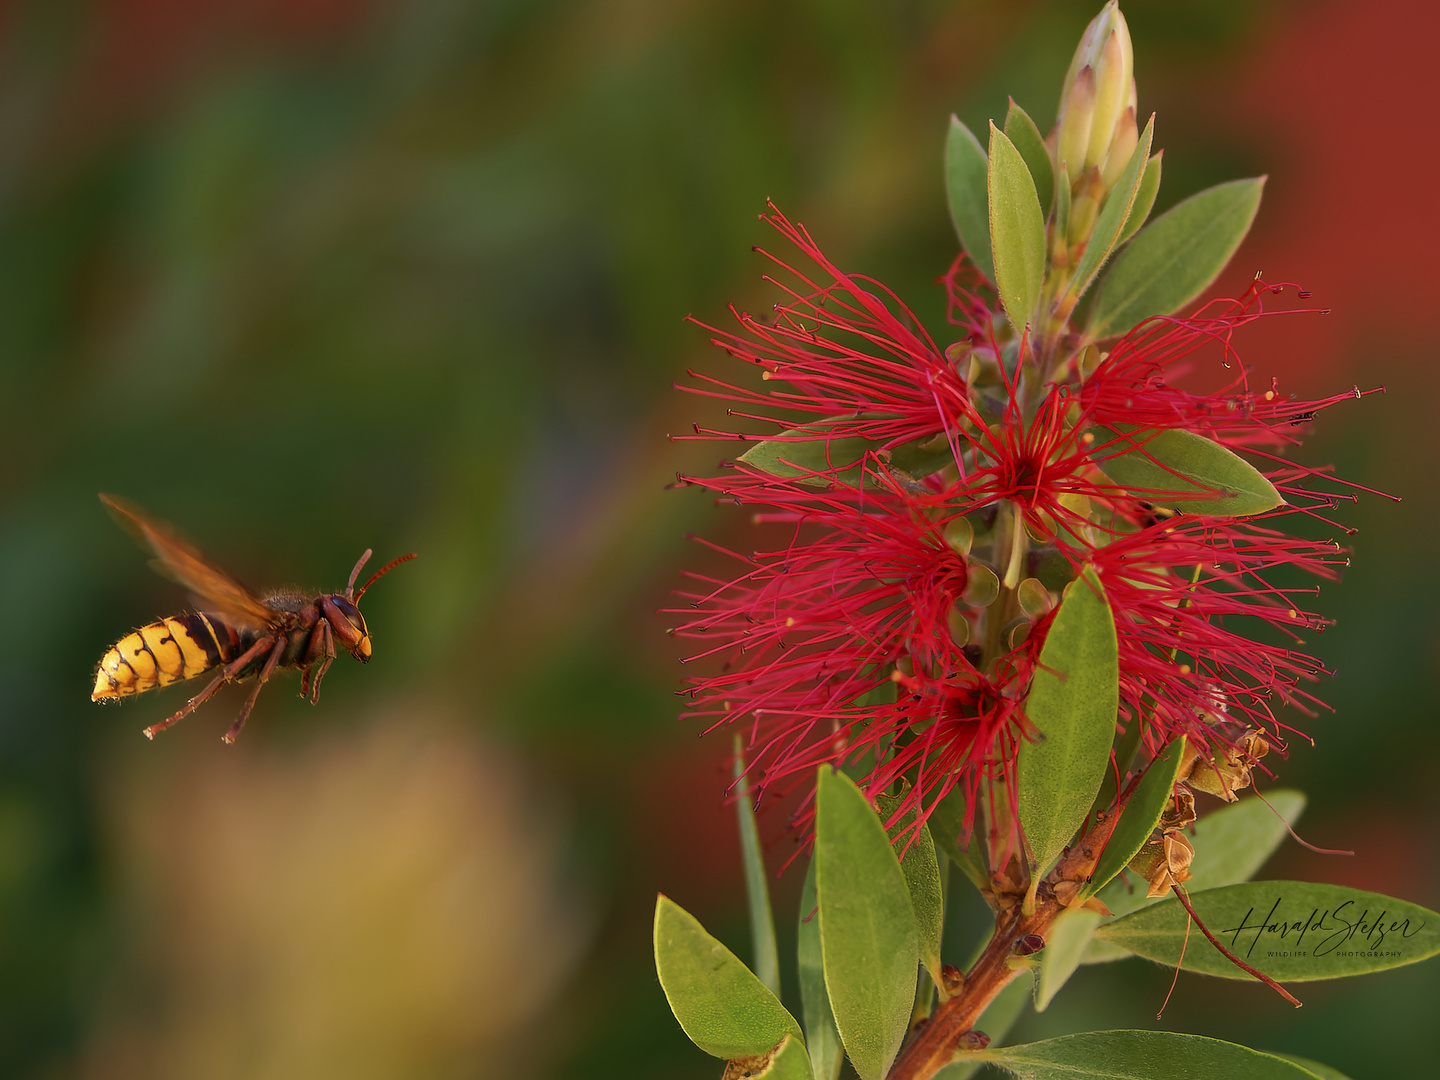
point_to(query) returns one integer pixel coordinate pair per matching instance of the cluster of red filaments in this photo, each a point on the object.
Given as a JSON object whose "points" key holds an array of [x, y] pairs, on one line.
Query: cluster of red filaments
{"points": [[866, 633]]}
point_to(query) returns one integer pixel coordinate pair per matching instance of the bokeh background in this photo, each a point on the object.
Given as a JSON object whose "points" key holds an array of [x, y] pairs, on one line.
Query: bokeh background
{"points": [[306, 276]]}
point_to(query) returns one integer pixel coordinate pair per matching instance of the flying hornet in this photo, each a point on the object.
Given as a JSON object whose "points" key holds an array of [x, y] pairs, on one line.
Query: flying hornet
{"points": [[232, 632]]}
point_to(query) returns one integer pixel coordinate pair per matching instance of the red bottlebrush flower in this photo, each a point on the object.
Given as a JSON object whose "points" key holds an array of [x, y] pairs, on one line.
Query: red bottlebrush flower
{"points": [[923, 484]]}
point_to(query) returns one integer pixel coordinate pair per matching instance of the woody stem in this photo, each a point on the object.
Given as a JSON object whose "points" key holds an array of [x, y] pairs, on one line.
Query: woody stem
{"points": [[941, 1040], [936, 1044]]}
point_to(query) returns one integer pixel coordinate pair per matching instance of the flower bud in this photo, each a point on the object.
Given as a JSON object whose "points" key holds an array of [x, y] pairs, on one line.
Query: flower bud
{"points": [[1127, 136], [1077, 111], [1098, 89]]}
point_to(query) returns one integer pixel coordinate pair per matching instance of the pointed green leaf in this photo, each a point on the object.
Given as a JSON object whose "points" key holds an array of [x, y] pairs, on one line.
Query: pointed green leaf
{"points": [[757, 891], [922, 877], [867, 928], [1234, 842], [1125, 746], [1064, 949], [821, 1037], [966, 168], [810, 455], [1175, 258], [1293, 931], [1072, 704], [1325, 1072], [1017, 230], [1141, 1055], [1144, 198], [1021, 131], [1183, 471], [1113, 215], [724, 1008], [1142, 814], [788, 1061]]}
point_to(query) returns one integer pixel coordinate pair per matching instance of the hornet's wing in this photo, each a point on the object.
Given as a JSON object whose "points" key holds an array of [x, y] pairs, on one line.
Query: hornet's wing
{"points": [[214, 590]]}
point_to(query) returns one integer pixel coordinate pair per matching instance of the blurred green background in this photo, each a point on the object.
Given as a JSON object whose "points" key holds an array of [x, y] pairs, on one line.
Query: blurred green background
{"points": [[306, 277]]}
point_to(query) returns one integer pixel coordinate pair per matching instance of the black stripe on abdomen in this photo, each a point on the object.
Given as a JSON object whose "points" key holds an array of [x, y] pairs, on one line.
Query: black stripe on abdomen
{"points": [[204, 634]]}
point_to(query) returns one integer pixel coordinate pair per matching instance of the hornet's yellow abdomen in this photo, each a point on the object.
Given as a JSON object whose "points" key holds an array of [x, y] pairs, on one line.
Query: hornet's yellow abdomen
{"points": [[157, 655]]}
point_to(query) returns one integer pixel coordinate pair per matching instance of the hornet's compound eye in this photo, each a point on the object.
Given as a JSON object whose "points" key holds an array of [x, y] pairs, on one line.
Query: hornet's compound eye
{"points": [[349, 626], [351, 612]]}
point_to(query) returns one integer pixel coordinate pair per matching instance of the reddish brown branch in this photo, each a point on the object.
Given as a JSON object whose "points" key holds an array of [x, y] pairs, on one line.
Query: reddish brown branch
{"points": [[949, 1031]]}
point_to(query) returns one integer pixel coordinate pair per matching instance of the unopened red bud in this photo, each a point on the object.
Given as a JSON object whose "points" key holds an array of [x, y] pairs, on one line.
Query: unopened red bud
{"points": [[1029, 945], [974, 1040]]}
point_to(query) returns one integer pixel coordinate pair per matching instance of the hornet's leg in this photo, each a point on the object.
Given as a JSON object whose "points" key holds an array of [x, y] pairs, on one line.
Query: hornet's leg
{"points": [[226, 673], [280, 642], [313, 651], [320, 646], [325, 663]]}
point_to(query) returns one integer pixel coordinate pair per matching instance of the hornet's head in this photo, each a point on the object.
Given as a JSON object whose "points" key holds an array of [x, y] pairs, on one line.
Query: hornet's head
{"points": [[343, 611], [348, 625]]}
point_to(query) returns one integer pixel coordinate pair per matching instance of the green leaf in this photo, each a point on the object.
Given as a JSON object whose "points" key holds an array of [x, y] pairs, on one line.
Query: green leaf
{"points": [[1064, 949], [966, 168], [948, 819], [1113, 215], [813, 457], [1072, 703], [1017, 230], [1231, 844], [1021, 131], [1144, 198], [724, 1008], [1293, 931], [820, 1034], [788, 1061], [1183, 471], [1141, 1055], [1125, 746], [1140, 817], [867, 929], [922, 878], [1175, 258], [762, 919], [1325, 1072]]}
